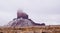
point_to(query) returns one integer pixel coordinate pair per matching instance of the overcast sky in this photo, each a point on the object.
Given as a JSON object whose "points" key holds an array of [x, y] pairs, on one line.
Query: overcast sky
{"points": [[40, 11]]}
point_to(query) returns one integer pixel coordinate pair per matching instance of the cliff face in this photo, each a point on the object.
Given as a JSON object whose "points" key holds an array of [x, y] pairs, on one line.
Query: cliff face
{"points": [[22, 20]]}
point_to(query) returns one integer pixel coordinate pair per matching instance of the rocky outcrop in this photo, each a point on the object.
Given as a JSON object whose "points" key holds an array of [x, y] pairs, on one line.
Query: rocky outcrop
{"points": [[22, 20]]}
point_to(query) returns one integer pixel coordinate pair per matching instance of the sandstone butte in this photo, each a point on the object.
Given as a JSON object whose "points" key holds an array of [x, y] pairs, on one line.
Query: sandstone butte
{"points": [[22, 24]]}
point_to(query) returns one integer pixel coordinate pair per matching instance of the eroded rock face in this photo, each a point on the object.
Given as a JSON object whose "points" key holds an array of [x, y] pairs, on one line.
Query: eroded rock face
{"points": [[22, 20], [22, 14]]}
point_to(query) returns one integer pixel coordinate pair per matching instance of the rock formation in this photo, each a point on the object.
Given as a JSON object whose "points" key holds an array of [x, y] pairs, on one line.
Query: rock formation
{"points": [[22, 20], [21, 14]]}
